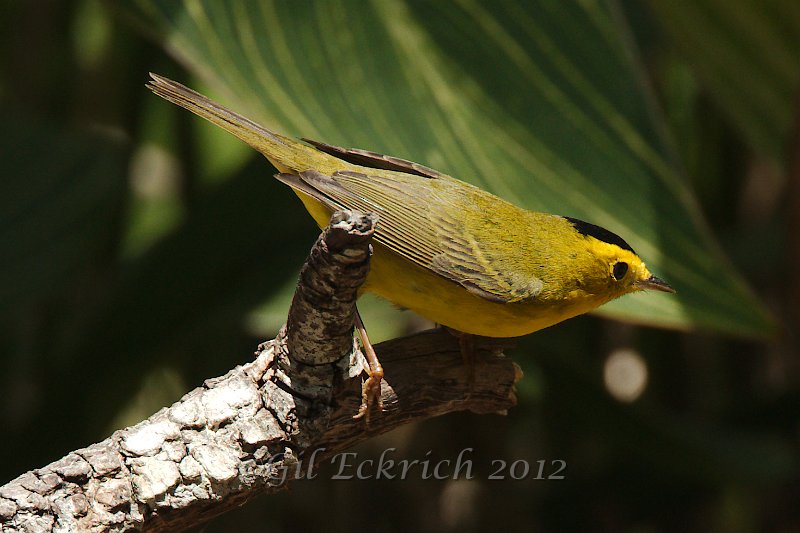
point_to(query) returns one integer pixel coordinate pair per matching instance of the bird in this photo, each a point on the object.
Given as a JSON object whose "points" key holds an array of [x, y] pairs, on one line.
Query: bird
{"points": [[445, 249]]}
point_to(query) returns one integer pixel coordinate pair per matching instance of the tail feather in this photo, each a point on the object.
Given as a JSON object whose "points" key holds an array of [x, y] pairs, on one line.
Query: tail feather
{"points": [[287, 154]]}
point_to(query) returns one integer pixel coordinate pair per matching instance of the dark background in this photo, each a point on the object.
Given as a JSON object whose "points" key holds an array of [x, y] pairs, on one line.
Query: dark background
{"points": [[128, 276]]}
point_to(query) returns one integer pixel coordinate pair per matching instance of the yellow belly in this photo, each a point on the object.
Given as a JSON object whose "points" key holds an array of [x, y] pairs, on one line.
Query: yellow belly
{"points": [[445, 302], [448, 303]]}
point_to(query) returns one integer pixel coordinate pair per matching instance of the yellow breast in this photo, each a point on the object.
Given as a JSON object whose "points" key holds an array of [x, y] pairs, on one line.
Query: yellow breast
{"points": [[449, 304]]}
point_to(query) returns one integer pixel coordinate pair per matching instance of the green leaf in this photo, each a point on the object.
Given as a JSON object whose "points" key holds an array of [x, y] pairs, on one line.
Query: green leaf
{"points": [[59, 198], [543, 103], [745, 54]]}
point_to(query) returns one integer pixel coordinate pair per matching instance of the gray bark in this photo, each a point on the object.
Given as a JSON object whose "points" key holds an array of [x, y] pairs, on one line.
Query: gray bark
{"points": [[235, 436]]}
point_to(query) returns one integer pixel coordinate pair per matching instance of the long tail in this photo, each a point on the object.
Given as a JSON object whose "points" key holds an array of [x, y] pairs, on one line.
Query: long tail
{"points": [[287, 154]]}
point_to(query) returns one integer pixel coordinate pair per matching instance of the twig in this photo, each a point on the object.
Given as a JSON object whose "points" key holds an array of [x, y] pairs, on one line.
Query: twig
{"points": [[238, 435]]}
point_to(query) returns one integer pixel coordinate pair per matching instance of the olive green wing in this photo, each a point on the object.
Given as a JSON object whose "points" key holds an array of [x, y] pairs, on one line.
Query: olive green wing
{"points": [[367, 158], [417, 221]]}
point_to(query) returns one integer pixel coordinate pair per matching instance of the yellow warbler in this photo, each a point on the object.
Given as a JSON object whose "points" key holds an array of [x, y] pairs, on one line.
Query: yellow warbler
{"points": [[445, 249]]}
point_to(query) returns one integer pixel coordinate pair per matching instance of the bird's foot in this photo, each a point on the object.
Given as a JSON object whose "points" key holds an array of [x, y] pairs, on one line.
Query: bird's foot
{"points": [[466, 342], [371, 389]]}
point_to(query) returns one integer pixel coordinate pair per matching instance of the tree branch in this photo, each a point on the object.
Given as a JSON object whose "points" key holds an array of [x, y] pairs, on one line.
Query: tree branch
{"points": [[244, 433]]}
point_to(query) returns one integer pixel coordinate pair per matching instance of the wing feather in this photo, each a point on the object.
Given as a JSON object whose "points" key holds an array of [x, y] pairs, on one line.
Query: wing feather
{"points": [[370, 159], [417, 222]]}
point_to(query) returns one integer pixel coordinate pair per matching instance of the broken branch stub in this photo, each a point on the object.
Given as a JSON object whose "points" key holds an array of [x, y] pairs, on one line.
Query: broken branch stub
{"points": [[319, 350]]}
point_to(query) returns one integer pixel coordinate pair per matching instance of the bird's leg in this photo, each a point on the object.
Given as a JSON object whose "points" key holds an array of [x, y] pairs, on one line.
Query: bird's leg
{"points": [[466, 342], [371, 389]]}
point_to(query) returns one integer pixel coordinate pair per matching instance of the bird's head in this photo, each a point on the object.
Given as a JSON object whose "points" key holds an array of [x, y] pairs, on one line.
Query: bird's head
{"points": [[616, 269]]}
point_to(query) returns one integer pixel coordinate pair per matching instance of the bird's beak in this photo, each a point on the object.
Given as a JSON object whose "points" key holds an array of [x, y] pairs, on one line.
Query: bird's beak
{"points": [[655, 284]]}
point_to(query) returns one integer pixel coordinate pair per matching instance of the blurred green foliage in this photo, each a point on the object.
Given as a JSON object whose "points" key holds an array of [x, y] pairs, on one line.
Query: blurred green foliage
{"points": [[142, 250]]}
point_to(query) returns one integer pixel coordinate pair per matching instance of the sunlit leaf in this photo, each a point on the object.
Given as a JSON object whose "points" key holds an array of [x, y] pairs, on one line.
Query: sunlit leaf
{"points": [[543, 103]]}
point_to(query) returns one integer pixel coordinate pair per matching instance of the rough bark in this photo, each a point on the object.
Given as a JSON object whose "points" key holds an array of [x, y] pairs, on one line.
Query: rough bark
{"points": [[236, 435]]}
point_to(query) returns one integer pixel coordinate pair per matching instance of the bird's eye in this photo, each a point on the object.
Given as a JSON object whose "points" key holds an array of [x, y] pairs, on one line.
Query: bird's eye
{"points": [[619, 270]]}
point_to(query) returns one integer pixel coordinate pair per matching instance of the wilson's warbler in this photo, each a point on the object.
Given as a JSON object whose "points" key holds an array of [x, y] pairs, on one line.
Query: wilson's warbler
{"points": [[445, 249]]}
